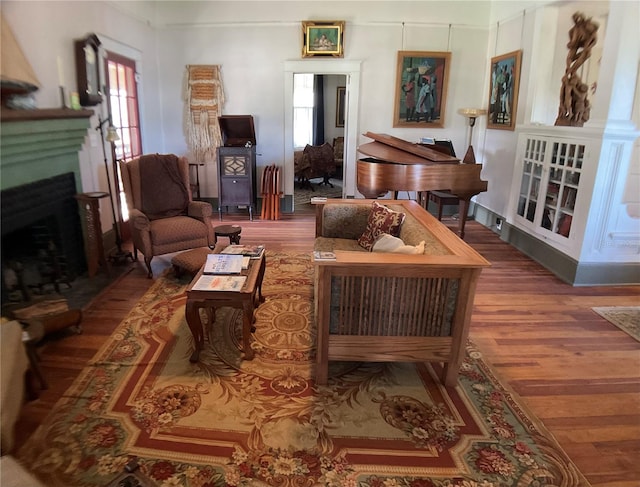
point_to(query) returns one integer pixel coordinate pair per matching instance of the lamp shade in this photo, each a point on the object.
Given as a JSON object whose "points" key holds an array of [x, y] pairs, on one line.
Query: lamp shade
{"points": [[472, 112], [112, 134], [16, 74]]}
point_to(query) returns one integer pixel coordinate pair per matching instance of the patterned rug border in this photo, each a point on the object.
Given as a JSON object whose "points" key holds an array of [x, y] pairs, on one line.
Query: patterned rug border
{"points": [[626, 318], [173, 288]]}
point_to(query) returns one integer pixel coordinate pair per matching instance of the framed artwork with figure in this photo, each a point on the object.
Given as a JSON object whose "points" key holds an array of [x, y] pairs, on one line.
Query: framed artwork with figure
{"points": [[421, 88], [323, 38], [504, 84]]}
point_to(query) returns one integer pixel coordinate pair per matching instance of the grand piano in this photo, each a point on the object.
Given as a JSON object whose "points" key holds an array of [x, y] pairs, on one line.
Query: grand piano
{"points": [[395, 164]]}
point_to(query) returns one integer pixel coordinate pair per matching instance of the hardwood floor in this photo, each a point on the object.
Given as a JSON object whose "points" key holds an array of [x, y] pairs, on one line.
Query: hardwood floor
{"points": [[575, 371]]}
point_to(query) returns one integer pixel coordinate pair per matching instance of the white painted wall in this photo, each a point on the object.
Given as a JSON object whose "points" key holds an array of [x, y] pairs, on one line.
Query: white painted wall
{"points": [[252, 56], [45, 30], [252, 41]]}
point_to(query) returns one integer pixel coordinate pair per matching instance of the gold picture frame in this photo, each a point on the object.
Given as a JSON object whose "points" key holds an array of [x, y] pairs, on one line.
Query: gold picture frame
{"points": [[504, 84], [421, 89], [323, 38]]}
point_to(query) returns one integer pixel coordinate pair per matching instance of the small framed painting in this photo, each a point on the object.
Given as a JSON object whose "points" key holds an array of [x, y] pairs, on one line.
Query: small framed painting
{"points": [[340, 94], [421, 88], [323, 38], [504, 84]]}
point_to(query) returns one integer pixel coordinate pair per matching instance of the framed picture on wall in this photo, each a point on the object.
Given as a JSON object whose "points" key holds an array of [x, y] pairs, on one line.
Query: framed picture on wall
{"points": [[421, 88], [503, 91], [340, 94], [323, 38]]}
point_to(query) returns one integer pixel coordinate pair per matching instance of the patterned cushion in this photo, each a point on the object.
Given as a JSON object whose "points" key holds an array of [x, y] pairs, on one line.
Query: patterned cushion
{"points": [[381, 220]]}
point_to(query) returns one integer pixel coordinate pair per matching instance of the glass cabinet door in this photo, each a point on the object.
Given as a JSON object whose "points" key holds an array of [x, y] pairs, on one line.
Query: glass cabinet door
{"points": [[531, 181], [564, 177], [551, 171]]}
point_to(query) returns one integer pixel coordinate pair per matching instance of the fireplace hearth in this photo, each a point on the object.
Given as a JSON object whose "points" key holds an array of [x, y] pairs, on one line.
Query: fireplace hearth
{"points": [[42, 241]]}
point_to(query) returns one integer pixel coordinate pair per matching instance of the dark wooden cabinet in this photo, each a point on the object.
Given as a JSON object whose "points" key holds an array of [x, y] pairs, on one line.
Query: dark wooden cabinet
{"points": [[237, 163]]}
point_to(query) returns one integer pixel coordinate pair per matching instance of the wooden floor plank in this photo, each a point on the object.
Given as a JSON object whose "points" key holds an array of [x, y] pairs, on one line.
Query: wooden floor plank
{"points": [[576, 372]]}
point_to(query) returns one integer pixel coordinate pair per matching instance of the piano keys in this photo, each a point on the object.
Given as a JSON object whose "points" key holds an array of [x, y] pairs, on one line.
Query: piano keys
{"points": [[395, 164]]}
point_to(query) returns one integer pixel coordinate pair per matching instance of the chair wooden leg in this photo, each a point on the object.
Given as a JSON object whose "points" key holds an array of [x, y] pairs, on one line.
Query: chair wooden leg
{"points": [[325, 180], [147, 261]]}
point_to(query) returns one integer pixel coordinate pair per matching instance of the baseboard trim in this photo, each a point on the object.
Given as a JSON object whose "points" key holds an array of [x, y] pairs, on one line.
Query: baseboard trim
{"points": [[564, 267]]}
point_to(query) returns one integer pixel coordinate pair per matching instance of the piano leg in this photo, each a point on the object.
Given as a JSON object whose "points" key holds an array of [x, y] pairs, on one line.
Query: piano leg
{"points": [[463, 208]]}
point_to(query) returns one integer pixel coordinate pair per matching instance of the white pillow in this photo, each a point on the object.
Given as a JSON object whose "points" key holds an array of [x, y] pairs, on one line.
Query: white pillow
{"points": [[389, 243]]}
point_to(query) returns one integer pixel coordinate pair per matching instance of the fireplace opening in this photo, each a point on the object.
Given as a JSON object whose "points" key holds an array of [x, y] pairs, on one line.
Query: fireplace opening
{"points": [[42, 242]]}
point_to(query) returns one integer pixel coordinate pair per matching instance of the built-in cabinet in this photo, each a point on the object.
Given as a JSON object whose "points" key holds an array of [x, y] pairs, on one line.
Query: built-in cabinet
{"points": [[553, 185], [549, 184], [567, 207]]}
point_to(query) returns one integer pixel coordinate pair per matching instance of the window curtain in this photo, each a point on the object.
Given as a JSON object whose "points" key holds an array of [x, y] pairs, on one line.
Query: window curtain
{"points": [[318, 110], [204, 99]]}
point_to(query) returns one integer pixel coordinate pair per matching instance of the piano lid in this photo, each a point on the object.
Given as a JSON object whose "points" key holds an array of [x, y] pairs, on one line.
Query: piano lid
{"points": [[394, 150]]}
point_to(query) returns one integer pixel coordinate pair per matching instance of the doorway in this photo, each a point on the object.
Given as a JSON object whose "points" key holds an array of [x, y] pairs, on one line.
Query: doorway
{"points": [[349, 72], [318, 118]]}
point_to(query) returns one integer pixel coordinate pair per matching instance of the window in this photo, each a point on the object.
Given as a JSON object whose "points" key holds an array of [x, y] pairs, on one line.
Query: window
{"points": [[123, 107], [302, 110]]}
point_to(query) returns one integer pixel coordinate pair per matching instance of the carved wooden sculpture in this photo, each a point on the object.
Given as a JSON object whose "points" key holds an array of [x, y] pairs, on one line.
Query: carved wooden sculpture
{"points": [[574, 106]]}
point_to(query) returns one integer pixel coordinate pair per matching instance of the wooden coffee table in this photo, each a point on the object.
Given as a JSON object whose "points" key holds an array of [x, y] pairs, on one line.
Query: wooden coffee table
{"points": [[247, 299]]}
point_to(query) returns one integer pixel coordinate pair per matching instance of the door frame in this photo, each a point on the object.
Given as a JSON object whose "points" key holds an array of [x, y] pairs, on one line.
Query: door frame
{"points": [[351, 70]]}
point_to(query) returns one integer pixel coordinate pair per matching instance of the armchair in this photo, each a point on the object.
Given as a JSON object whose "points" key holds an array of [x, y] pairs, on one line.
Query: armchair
{"points": [[321, 162], [162, 215]]}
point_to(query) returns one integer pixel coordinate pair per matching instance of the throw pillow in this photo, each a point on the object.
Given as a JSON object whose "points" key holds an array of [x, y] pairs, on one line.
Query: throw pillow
{"points": [[389, 243], [381, 220]]}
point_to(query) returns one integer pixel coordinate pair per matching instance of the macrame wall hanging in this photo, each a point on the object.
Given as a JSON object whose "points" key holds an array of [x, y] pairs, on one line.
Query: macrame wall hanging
{"points": [[204, 97]]}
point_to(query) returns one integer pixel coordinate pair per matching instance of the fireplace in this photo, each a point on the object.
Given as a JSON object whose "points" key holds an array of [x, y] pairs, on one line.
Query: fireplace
{"points": [[42, 236], [42, 240]]}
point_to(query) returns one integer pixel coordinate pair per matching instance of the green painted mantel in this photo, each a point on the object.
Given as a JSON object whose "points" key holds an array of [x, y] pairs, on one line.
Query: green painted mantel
{"points": [[39, 144]]}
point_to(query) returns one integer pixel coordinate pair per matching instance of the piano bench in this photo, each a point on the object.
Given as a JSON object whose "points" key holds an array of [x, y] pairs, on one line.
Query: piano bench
{"points": [[442, 198]]}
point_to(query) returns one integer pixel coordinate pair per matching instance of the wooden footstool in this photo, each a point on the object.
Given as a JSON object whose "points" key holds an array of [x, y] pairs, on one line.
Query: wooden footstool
{"points": [[190, 261], [231, 231]]}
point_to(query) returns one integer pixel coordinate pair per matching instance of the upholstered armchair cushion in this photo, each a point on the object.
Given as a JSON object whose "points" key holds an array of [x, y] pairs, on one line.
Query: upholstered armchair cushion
{"points": [[163, 217], [199, 209], [321, 160]]}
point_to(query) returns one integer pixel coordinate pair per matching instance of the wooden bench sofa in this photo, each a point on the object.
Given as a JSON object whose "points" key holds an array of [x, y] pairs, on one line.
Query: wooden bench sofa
{"points": [[376, 307]]}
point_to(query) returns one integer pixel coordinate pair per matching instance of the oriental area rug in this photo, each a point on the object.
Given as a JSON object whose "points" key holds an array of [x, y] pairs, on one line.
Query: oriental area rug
{"points": [[302, 195], [228, 422], [627, 318]]}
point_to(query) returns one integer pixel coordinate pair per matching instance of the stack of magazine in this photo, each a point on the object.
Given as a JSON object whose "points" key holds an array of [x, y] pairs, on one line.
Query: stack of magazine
{"points": [[221, 272], [223, 264], [251, 251]]}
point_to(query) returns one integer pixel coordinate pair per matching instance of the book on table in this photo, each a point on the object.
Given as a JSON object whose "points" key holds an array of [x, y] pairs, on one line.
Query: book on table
{"points": [[323, 255], [219, 283], [223, 264], [252, 251]]}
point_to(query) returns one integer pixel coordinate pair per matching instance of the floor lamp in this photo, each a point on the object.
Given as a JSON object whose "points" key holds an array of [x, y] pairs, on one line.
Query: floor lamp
{"points": [[471, 114], [120, 256]]}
